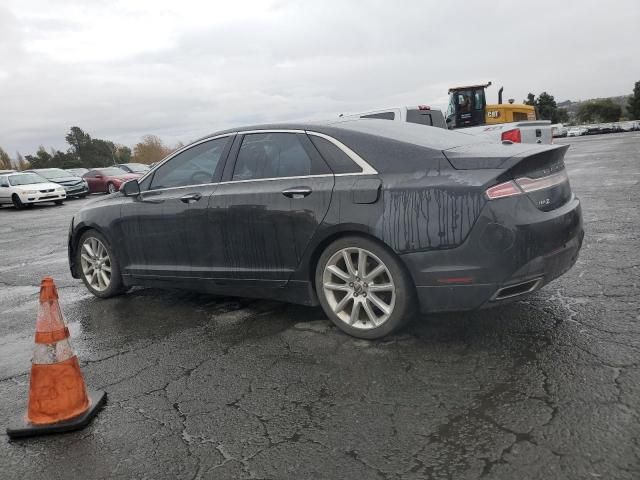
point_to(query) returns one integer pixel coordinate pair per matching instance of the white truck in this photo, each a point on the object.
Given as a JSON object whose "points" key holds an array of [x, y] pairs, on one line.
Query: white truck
{"points": [[528, 131]]}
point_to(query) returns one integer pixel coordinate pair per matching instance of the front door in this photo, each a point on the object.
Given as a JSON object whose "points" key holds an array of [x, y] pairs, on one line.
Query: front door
{"points": [[159, 226], [263, 216]]}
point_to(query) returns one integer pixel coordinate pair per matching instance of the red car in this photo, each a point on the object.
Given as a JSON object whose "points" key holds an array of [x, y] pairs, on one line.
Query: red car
{"points": [[107, 179]]}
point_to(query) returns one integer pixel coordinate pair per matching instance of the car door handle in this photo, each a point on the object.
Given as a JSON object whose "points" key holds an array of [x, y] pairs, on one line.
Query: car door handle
{"points": [[191, 197], [297, 192]]}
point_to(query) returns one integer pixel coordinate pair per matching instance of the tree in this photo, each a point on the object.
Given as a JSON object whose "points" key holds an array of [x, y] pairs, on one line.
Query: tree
{"points": [[5, 161], [123, 154], [633, 105], [65, 160], [531, 99], [42, 159], [547, 108], [80, 144], [151, 149], [602, 110], [22, 163]]}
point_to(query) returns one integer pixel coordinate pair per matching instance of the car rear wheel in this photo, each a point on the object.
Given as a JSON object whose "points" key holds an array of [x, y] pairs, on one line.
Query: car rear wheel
{"points": [[98, 266], [17, 202], [111, 188], [363, 288]]}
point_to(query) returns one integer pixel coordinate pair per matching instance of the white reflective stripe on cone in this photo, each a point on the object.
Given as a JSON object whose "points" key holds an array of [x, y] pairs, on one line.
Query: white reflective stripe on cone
{"points": [[45, 354]]}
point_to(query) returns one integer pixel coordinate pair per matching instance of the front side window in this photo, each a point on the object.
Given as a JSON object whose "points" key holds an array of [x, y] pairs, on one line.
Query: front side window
{"points": [[271, 155], [194, 166]]}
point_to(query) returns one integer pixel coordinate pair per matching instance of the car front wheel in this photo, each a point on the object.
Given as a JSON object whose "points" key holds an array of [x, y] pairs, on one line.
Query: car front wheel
{"points": [[363, 288], [17, 202], [111, 188], [98, 266]]}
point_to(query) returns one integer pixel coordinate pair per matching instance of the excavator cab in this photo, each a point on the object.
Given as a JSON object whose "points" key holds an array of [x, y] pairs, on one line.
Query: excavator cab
{"points": [[467, 106]]}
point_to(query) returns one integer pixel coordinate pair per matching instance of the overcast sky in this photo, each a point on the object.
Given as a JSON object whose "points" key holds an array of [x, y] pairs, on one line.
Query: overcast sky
{"points": [[181, 69]]}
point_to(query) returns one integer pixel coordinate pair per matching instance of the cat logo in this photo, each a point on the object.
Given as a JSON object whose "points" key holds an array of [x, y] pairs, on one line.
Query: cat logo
{"points": [[493, 114]]}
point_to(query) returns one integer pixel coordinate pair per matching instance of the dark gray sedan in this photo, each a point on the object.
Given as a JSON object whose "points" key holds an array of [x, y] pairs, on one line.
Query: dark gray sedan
{"points": [[368, 218]]}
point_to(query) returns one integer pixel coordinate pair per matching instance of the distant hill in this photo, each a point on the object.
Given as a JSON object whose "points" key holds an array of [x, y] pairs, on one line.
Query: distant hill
{"points": [[573, 106]]}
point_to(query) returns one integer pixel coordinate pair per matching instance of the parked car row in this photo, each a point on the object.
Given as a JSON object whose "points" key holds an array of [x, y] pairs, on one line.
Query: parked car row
{"points": [[55, 185], [599, 128]]}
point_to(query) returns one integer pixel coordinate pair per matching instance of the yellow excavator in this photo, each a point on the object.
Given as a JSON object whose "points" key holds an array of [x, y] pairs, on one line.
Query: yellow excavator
{"points": [[513, 122], [468, 108]]}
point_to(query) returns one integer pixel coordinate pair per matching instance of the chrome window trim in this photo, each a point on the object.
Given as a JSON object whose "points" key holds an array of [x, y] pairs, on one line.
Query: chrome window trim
{"points": [[324, 175], [367, 169], [300, 177]]}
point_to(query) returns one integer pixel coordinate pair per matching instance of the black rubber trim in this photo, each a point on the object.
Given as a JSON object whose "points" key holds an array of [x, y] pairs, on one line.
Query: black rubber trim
{"points": [[97, 398]]}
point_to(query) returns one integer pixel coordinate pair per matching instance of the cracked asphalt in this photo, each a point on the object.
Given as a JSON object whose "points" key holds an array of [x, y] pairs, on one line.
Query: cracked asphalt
{"points": [[210, 387]]}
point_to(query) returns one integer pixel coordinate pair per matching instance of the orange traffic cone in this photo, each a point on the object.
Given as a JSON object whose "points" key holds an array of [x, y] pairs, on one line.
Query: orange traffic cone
{"points": [[58, 398]]}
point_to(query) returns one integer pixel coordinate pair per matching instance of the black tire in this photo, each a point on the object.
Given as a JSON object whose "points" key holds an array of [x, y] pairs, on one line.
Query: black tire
{"points": [[84, 195], [405, 299], [17, 202], [116, 286], [58, 202], [111, 188]]}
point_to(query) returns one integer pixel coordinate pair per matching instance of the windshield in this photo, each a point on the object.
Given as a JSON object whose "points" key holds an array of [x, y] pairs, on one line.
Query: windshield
{"points": [[52, 173], [25, 179], [137, 167], [112, 172]]}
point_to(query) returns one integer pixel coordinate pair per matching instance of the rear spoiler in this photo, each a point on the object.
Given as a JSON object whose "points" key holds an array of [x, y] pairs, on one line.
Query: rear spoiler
{"points": [[498, 156]]}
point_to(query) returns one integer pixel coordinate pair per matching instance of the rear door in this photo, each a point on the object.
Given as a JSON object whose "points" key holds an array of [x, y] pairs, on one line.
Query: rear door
{"points": [[276, 190]]}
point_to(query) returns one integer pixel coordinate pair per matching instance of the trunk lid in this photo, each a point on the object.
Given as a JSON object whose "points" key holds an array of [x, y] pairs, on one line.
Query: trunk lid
{"points": [[538, 171]]}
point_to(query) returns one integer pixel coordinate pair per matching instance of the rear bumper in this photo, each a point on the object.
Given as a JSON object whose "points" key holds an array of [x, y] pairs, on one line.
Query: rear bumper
{"points": [[500, 261]]}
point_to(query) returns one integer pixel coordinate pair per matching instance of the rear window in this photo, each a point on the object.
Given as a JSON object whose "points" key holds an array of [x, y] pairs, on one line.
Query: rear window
{"points": [[381, 115], [419, 116]]}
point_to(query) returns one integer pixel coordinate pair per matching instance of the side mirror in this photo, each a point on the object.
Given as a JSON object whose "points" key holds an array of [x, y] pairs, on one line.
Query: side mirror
{"points": [[130, 188]]}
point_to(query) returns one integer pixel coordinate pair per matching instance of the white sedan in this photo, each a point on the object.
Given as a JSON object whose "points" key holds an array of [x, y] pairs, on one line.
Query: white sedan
{"points": [[22, 189], [576, 132]]}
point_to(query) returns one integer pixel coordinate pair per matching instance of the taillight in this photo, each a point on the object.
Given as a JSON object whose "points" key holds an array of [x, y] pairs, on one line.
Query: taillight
{"points": [[526, 185], [506, 189], [424, 107], [512, 135], [532, 184]]}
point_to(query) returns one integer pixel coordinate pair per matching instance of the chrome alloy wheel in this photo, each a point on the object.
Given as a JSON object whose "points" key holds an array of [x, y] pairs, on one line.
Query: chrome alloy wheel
{"points": [[111, 188], [96, 264], [359, 288]]}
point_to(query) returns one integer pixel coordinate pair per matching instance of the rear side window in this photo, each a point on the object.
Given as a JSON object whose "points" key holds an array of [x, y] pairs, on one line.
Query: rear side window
{"points": [[381, 115], [339, 161], [420, 116], [274, 155]]}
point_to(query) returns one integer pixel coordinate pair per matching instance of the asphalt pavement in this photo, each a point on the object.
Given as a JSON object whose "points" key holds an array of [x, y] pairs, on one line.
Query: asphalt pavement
{"points": [[210, 387]]}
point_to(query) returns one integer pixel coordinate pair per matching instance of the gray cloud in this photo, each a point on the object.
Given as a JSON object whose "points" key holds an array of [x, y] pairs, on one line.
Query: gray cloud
{"points": [[123, 69]]}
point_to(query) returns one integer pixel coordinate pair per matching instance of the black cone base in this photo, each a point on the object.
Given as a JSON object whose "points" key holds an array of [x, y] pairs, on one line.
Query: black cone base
{"points": [[98, 398]]}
